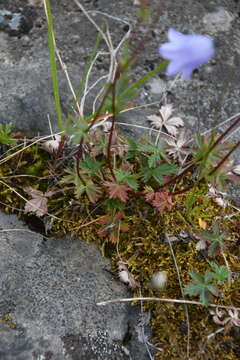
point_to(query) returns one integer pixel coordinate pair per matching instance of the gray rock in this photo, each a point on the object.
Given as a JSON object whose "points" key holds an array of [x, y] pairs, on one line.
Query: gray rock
{"points": [[210, 97], [49, 291]]}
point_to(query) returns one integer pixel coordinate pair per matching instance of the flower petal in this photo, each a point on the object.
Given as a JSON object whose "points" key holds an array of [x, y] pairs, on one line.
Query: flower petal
{"points": [[173, 68], [186, 52], [174, 35]]}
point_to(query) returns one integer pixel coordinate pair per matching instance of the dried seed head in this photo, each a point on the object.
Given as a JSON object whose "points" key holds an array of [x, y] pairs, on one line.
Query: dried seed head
{"points": [[159, 280]]}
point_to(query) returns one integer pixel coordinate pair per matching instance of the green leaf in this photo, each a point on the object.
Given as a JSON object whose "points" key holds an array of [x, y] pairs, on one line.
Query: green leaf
{"points": [[148, 173], [125, 176], [201, 286], [208, 277], [220, 273], [216, 238], [213, 289], [114, 204], [79, 131], [5, 137], [196, 276], [192, 289], [133, 149], [93, 191], [91, 165], [205, 297], [53, 64], [157, 172]]}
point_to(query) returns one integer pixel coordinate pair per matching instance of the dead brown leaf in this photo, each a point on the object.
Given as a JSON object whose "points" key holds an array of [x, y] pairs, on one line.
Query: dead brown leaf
{"points": [[39, 202]]}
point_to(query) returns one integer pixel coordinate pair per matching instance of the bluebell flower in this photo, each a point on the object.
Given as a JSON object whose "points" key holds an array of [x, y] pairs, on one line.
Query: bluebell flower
{"points": [[186, 52]]}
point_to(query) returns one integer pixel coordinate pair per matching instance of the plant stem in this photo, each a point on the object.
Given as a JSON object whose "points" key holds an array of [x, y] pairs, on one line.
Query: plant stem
{"points": [[224, 134], [224, 159], [112, 127], [179, 176], [53, 65]]}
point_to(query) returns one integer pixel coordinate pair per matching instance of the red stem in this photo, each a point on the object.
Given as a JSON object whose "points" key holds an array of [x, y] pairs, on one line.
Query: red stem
{"points": [[225, 158], [112, 127]]}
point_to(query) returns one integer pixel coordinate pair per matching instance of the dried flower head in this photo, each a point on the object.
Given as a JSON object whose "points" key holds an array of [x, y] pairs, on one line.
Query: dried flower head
{"points": [[178, 148], [52, 145], [166, 120], [159, 279], [226, 318], [125, 276]]}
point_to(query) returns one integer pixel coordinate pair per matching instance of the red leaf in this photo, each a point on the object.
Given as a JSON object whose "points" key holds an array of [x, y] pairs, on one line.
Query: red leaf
{"points": [[162, 200], [116, 190]]}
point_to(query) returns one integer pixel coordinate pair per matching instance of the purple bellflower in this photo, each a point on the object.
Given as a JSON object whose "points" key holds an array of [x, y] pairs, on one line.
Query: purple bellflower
{"points": [[186, 52]]}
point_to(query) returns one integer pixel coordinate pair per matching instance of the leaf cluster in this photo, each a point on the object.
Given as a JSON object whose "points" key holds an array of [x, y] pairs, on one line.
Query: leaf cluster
{"points": [[203, 286], [5, 133]]}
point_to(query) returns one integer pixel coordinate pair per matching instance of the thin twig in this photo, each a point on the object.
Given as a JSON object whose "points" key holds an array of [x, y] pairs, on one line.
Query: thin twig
{"points": [[64, 68], [164, 300], [86, 89], [27, 146]]}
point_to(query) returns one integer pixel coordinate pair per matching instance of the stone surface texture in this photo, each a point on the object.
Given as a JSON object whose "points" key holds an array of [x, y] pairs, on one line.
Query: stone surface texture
{"points": [[49, 291]]}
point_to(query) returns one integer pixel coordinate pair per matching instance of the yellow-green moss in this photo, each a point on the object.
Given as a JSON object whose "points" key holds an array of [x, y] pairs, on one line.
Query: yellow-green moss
{"points": [[7, 319]]}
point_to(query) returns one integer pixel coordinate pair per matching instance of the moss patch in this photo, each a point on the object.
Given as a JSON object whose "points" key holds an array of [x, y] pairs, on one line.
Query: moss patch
{"points": [[144, 248]]}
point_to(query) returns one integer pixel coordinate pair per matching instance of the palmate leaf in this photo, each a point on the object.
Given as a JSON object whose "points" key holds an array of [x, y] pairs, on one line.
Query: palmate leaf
{"points": [[220, 273], [90, 164], [206, 155], [162, 201], [155, 152], [201, 286], [117, 190], [39, 202], [216, 240], [196, 276], [127, 177], [78, 131], [92, 190], [157, 172]]}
